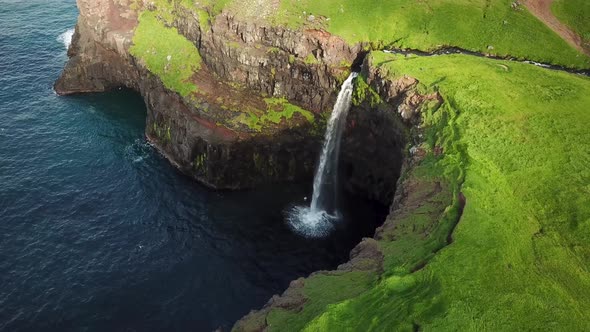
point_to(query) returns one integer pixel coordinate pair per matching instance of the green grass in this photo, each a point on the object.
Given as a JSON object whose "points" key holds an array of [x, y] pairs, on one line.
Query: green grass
{"points": [[427, 25], [474, 25], [518, 145], [323, 290], [576, 14], [214, 6], [277, 111], [166, 53], [167, 10], [280, 108], [363, 92], [310, 60], [522, 249]]}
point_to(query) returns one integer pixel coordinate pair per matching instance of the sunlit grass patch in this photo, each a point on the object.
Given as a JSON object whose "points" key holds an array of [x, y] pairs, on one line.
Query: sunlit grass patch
{"points": [[166, 53], [576, 14]]}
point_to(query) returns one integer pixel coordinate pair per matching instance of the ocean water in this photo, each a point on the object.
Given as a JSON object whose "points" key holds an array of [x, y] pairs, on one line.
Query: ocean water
{"points": [[100, 233]]}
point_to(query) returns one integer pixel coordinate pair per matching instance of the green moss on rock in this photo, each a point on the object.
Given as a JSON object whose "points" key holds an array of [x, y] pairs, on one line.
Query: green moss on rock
{"points": [[363, 92], [278, 110]]}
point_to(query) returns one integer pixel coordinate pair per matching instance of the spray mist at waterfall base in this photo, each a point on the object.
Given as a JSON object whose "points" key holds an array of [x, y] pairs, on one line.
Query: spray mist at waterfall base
{"points": [[316, 220], [310, 223]]}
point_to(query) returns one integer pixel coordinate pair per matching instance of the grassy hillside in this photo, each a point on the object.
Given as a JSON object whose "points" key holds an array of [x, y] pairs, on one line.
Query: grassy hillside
{"points": [[576, 14], [166, 53], [489, 26], [520, 255], [486, 26]]}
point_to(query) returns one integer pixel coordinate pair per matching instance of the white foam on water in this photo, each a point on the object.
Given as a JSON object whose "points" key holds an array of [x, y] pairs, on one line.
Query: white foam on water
{"points": [[138, 151], [310, 223], [66, 38]]}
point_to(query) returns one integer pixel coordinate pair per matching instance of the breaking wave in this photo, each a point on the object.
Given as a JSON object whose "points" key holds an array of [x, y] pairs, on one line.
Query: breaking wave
{"points": [[66, 38]]}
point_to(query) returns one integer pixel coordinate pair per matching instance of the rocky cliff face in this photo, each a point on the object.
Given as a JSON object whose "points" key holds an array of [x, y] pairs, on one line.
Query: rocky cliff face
{"points": [[99, 58], [244, 59], [302, 67]]}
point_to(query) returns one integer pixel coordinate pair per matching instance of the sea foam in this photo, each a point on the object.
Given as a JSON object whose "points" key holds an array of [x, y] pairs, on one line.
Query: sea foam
{"points": [[66, 38]]}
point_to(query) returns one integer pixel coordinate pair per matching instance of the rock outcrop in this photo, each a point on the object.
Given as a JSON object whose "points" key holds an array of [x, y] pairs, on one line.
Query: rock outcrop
{"points": [[239, 58]]}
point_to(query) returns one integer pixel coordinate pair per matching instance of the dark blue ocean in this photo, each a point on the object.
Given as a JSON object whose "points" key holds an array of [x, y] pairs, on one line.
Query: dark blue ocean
{"points": [[100, 233]]}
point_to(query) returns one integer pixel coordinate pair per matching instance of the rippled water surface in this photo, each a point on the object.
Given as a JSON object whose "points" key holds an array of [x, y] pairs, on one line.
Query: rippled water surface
{"points": [[99, 233]]}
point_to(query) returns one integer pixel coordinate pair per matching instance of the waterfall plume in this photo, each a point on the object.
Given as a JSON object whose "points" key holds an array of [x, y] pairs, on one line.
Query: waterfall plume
{"points": [[317, 219]]}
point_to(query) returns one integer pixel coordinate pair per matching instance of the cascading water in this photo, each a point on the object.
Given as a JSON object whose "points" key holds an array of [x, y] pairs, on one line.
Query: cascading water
{"points": [[325, 181], [317, 219]]}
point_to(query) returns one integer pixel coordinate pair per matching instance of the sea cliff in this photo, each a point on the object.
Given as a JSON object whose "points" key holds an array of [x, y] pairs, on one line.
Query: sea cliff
{"points": [[237, 96]]}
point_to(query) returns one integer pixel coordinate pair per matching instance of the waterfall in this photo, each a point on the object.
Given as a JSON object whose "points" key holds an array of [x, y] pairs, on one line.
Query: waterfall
{"points": [[317, 219], [326, 177]]}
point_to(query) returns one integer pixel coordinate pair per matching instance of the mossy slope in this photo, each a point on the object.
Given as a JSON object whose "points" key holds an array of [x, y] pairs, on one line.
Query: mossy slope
{"points": [[515, 141]]}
